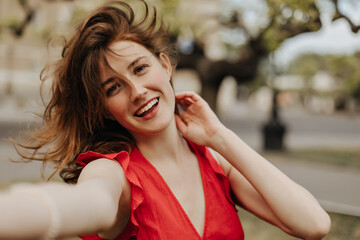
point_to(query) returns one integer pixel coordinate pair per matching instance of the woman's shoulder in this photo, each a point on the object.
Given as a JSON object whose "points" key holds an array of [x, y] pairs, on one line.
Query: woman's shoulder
{"points": [[102, 167], [89, 156], [110, 166]]}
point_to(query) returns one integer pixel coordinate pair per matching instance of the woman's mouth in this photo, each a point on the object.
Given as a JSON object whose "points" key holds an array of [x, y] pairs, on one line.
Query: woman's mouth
{"points": [[147, 108]]}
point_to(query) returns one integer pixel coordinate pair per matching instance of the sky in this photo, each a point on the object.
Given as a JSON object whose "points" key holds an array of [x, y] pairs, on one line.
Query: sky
{"points": [[333, 38]]}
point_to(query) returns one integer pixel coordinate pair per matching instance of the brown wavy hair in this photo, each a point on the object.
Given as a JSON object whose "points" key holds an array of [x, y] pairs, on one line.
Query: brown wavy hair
{"points": [[73, 121]]}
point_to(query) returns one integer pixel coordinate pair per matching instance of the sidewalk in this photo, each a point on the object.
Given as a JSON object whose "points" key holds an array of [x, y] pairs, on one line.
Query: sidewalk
{"points": [[336, 188]]}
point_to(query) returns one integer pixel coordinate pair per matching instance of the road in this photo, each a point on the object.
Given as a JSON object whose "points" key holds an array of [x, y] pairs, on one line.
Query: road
{"points": [[304, 130]]}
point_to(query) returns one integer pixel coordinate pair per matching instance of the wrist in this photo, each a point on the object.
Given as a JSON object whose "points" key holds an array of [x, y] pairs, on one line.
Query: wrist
{"points": [[218, 140]]}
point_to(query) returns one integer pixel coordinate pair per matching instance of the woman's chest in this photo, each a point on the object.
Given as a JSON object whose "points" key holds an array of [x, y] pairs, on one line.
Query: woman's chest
{"points": [[187, 202], [187, 215], [182, 188]]}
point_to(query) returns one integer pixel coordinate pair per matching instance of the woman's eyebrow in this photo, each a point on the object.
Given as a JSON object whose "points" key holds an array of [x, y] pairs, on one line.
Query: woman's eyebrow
{"points": [[107, 82], [136, 61]]}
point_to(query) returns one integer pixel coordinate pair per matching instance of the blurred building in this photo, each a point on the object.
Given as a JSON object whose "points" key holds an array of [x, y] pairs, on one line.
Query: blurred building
{"points": [[317, 94], [25, 54]]}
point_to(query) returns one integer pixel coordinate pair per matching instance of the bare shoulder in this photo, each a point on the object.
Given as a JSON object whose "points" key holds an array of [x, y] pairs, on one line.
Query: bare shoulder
{"points": [[103, 168]]}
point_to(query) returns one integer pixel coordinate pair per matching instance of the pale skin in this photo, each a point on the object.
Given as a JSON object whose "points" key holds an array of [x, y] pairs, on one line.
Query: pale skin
{"points": [[260, 187]]}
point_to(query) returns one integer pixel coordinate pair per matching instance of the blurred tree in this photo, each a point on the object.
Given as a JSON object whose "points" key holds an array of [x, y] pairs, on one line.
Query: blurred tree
{"points": [[249, 32], [339, 14], [343, 68], [16, 26]]}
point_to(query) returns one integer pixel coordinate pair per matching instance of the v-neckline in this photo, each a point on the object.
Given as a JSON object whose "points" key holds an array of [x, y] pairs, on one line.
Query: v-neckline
{"points": [[193, 149]]}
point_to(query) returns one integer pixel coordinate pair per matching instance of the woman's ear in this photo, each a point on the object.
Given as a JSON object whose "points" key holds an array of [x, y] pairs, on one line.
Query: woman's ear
{"points": [[166, 63]]}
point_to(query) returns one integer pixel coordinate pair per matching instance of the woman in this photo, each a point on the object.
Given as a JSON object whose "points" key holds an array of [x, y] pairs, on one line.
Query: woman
{"points": [[142, 168]]}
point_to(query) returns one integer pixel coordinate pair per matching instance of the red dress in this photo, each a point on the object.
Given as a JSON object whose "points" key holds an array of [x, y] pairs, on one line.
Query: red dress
{"points": [[155, 211]]}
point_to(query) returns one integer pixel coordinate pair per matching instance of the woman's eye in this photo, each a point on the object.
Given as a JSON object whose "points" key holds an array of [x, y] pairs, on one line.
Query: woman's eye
{"points": [[113, 89], [140, 69]]}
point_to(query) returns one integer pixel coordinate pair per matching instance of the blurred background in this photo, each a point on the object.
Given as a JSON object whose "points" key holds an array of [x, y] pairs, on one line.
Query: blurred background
{"points": [[283, 74]]}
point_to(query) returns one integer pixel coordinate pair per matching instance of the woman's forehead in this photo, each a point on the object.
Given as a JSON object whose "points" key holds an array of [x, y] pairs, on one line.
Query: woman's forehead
{"points": [[126, 49]]}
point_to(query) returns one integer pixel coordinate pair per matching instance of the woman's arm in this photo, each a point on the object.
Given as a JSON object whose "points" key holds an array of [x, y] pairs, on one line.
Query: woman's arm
{"points": [[275, 198], [259, 186], [88, 207]]}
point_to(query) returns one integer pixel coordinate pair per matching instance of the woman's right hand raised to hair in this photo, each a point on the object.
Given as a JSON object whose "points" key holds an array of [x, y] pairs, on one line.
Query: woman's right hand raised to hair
{"points": [[196, 121]]}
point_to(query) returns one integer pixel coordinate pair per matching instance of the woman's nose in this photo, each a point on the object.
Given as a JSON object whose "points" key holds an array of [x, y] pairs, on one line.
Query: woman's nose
{"points": [[138, 91]]}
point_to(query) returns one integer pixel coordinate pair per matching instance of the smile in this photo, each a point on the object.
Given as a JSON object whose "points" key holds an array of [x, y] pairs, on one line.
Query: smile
{"points": [[143, 110]]}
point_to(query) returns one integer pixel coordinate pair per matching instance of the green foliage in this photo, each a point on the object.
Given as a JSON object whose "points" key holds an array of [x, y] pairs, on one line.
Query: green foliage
{"points": [[306, 65], [22, 2], [338, 157], [168, 9], [78, 14], [13, 23], [44, 34], [303, 5], [290, 18], [344, 68], [342, 227], [285, 19]]}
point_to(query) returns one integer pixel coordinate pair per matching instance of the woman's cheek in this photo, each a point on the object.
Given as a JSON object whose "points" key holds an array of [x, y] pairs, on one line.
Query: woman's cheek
{"points": [[114, 107]]}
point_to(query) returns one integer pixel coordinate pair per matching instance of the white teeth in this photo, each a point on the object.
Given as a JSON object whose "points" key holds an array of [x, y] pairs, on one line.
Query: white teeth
{"points": [[147, 107]]}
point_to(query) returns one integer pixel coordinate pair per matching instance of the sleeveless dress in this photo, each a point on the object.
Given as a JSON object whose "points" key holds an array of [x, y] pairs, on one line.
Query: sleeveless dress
{"points": [[155, 211]]}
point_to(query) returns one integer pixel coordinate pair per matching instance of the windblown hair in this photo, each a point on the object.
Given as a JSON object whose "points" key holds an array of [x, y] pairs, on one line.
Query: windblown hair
{"points": [[74, 118]]}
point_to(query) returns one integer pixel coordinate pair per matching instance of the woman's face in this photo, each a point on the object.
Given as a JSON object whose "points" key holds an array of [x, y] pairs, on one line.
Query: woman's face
{"points": [[140, 97]]}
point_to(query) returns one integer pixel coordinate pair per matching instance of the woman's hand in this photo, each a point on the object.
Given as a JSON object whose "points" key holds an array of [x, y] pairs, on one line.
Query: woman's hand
{"points": [[196, 121]]}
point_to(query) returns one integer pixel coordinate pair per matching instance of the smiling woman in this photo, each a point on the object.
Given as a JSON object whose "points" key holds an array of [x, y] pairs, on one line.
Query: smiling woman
{"points": [[142, 168], [75, 116], [142, 99]]}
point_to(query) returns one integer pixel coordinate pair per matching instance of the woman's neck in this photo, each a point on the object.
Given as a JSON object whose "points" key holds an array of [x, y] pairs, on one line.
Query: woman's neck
{"points": [[162, 146]]}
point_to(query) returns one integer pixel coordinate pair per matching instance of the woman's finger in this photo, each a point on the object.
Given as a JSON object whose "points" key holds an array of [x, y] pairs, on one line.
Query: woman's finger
{"points": [[181, 113], [180, 123], [184, 103], [188, 95]]}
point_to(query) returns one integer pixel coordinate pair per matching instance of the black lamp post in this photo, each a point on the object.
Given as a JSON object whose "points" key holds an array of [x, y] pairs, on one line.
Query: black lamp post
{"points": [[274, 130]]}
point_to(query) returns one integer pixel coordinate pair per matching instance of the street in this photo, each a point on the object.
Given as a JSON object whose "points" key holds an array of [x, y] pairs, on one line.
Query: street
{"points": [[304, 130]]}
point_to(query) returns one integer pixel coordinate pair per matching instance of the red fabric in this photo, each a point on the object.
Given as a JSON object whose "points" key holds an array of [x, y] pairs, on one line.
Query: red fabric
{"points": [[155, 211]]}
